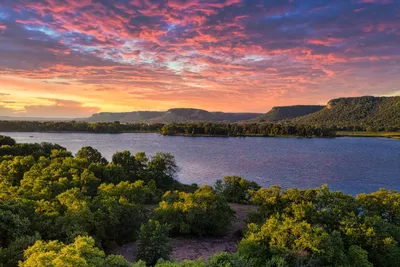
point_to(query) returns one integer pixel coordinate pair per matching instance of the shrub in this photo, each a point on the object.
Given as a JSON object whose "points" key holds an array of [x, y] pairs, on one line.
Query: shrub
{"points": [[226, 260], [6, 141], [200, 213], [184, 263], [136, 192], [153, 242], [119, 261], [296, 241], [82, 252], [236, 189], [11, 255]]}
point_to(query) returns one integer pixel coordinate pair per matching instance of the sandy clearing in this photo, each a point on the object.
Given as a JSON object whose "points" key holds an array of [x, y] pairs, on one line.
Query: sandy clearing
{"points": [[194, 248]]}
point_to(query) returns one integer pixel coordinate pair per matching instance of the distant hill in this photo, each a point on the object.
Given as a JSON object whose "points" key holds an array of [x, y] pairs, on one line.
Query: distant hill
{"points": [[172, 115], [287, 112], [366, 111], [136, 116]]}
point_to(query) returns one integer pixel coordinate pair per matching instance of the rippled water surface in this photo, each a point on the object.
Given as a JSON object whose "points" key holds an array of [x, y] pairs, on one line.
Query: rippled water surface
{"points": [[353, 165]]}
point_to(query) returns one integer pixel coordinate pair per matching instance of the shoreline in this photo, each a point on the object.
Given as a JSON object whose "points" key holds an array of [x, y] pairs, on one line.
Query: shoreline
{"points": [[390, 135]]}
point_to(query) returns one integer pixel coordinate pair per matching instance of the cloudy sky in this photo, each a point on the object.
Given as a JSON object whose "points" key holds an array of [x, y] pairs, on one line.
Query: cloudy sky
{"points": [[71, 58]]}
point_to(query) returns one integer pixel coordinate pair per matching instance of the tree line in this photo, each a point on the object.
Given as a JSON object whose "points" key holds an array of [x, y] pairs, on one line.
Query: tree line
{"points": [[190, 128], [245, 129], [60, 209], [77, 126]]}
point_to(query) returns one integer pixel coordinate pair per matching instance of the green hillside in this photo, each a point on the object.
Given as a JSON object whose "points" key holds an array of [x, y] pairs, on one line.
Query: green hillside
{"points": [[354, 113], [369, 112], [172, 115], [288, 112]]}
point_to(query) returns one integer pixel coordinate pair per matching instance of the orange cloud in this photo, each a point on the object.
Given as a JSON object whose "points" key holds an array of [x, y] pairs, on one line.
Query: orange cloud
{"points": [[145, 54]]}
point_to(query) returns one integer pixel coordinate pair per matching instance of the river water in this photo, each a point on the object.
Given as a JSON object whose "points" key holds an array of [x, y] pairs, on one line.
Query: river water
{"points": [[353, 165]]}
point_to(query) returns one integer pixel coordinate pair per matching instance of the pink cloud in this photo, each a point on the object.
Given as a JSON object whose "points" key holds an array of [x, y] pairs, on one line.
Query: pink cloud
{"points": [[180, 52]]}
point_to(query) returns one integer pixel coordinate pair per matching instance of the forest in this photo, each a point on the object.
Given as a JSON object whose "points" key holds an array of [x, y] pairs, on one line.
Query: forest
{"points": [[60, 209], [286, 113], [367, 113], [245, 129], [188, 128], [77, 126]]}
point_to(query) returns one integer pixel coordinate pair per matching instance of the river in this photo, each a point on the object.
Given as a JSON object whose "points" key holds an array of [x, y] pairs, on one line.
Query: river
{"points": [[353, 165]]}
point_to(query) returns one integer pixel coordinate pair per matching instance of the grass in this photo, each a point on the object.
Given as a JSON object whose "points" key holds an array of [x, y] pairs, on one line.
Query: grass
{"points": [[394, 135]]}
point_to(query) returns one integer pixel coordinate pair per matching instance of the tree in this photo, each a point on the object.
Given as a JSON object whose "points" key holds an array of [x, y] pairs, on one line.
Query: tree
{"points": [[297, 241], [141, 160], [11, 255], [162, 169], [6, 141], [200, 213], [127, 161], [236, 189], [164, 163], [13, 170], [383, 203], [110, 173], [91, 155], [112, 213], [77, 217], [11, 226], [153, 242], [358, 257], [82, 252], [136, 192]]}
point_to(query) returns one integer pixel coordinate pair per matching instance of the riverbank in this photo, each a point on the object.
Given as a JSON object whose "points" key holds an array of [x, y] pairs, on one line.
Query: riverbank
{"points": [[393, 135]]}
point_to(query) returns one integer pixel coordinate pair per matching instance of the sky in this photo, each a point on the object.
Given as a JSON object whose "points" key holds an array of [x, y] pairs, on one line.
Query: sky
{"points": [[72, 58]]}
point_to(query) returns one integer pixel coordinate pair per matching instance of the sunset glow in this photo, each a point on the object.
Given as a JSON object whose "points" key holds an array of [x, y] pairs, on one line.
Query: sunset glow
{"points": [[72, 58]]}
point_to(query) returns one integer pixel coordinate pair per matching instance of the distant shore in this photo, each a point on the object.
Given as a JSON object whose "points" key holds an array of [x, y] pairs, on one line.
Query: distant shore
{"points": [[393, 135]]}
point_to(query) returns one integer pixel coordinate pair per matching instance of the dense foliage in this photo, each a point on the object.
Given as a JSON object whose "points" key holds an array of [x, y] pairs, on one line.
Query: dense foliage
{"points": [[188, 128], [82, 252], [46, 193], [358, 113], [6, 140], [318, 227], [277, 114], [245, 129], [153, 242], [200, 213], [77, 126], [57, 209], [236, 189]]}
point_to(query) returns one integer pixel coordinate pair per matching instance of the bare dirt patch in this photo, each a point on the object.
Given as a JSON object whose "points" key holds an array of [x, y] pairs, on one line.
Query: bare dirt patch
{"points": [[191, 248]]}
